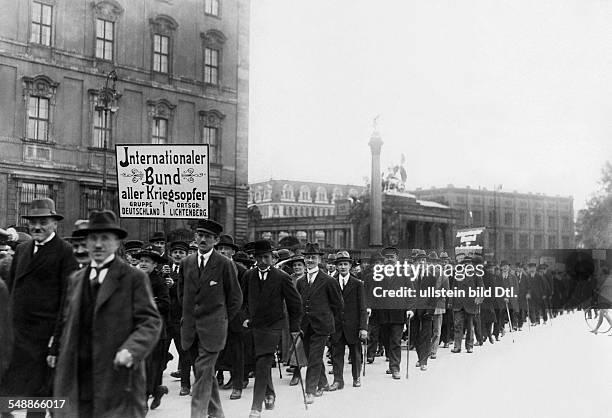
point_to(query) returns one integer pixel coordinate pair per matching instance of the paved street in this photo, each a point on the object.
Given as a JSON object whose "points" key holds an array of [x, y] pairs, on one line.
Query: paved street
{"points": [[557, 370]]}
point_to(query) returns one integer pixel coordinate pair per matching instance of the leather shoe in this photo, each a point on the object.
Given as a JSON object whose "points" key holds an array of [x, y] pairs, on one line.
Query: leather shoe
{"points": [[357, 383], [456, 350], [432, 356], [176, 374], [423, 367], [370, 360], [160, 391], [331, 371], [295, 380], [325, 388], [184, 391], [446, 345], [418, 364], [245, 383], [318, 393], [255, 414], [269, 401], [236, 394], [388, 371], [491, 339], [309, 399], [469, 350], [336, 386], [396, 375], [228, 385]]}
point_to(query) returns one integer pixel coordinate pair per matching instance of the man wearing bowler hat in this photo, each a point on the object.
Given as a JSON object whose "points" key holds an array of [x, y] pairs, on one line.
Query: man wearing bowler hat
{"points": [[321, 301], [37, 284], [211, 297], [267, 291], [110, 325]]}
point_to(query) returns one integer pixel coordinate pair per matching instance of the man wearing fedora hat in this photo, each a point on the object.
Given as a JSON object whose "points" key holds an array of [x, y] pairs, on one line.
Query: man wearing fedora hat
{"points": [[37, 284], [267, 291], [351, 325], [322, 301], [110, 326], [78, 244], [211, 297], [464, 308]]}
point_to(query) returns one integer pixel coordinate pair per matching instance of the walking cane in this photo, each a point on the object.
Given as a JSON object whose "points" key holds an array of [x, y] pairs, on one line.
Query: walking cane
{"points": [[280, 373], [509, 320], [297, 362], [408, 351], [365, 346]]}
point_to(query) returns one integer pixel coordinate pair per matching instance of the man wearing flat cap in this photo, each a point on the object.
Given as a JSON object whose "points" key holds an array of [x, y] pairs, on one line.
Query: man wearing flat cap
{"points": [[321, 301], [351, 324], [211, 298], [267, 291], [110, 325], [37, 284]]}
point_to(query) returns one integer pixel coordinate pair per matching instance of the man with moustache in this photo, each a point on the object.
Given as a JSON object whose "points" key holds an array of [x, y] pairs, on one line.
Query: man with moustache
{"points": [[321, 301], [37, 284], [267, 291], [78, 244], [330, 265], [130, 248], [211, 298], [351, 325]]}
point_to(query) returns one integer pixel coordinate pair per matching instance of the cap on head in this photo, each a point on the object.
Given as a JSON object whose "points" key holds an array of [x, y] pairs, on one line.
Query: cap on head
{"points": [[179, 245], [157, 236], [388, 251], [210, 226]]}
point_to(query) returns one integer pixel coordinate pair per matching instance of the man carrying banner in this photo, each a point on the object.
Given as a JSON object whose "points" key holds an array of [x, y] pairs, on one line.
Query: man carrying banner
{"points": [[267, 290]]}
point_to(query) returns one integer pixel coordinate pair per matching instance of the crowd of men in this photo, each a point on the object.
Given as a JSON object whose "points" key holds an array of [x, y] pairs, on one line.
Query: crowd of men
{"points": [[91, 317]]}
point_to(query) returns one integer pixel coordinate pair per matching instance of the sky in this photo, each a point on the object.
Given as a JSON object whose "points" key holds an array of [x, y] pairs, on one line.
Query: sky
{"points": [[473, 92]]}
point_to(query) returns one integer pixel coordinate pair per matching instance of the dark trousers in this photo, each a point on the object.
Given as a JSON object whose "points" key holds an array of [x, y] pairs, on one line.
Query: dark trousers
{"points": [[338, 350], [314, 345], [394, 342], [424, 329], [263, 380], [185, 361], [487, 327], [235, 349], [205, 394], [373, 338], [448, 326], [86, 409], [460, 317], [478, 328], [498, 326]]}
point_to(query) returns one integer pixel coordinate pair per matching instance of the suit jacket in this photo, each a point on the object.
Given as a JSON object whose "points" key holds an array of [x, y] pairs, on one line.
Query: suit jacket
{"points": [[354, 315], [467, 303], [211, 298], [125, 316], [161, 296], [264, 302], [37, 283], [176, 311], [235, 325], [321, 301]]}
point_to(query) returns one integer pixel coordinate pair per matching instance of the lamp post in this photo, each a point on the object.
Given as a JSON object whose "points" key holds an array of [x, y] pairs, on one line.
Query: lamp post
{"points": [[107, 103]]}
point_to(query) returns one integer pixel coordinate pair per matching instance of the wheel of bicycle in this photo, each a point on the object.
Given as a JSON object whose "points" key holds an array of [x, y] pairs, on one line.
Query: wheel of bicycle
{"points": [[591, 316]]}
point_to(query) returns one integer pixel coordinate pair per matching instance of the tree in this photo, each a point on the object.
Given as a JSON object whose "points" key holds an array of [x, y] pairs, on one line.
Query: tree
{"points": [[594, 224]]}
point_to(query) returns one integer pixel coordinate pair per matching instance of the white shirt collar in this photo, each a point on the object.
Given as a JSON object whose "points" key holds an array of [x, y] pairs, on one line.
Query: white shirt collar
{"points": [[102, 275], [106, 261], [49, 238], [313, 271], [205, 255]]}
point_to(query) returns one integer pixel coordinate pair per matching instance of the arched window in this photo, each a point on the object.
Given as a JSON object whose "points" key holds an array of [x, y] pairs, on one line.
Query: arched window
{"points": [[275, 211], [268, 192], [305, 194], [287, 192], [336, 194], [258, 194], [321, 196], [302, 236]]}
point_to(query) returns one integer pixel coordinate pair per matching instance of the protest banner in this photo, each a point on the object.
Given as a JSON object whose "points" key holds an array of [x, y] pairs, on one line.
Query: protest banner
{"points": [[469, 241], [162, 181]]}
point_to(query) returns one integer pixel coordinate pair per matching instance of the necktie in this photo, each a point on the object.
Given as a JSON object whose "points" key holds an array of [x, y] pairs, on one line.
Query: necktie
{"points": [[311, 277], [201, 262], [342, 283]]}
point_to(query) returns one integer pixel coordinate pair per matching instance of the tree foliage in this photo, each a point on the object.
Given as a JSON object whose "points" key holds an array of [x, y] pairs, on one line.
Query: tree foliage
{"points": [[594, 224]]}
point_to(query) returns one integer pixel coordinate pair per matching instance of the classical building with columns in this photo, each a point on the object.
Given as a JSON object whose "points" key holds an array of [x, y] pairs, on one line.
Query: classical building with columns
{"points": [[182, 77], [338, 216]]}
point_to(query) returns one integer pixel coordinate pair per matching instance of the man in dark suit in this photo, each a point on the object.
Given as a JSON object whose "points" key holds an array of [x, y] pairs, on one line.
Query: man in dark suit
{"points": [[178, 251], [37, 284], [351, 325], [110, 325], [322, 301], [464, 308], [266, 291], [211, 298]]}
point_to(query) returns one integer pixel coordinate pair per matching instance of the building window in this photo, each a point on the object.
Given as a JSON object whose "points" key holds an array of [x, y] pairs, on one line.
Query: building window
{"points": [[477, 200], [38, 118], [552, 242], [477, 217], [537, 242], [102, 129], [508, 241], [305, 194], [523, 241], [39, 93], [268, 192], [211, 7], [566, 222], [287, 192], [160, 53], [523, 219], [258, 195], [321, 195], [41, 24], [211, 133], [212, 44], [552, 222], [537, 221], [336, 194], [302, 236], [30, 191], [508, 218], [160, 131], [105, 34], [92, 198], [461, 199], [275, 211]]}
